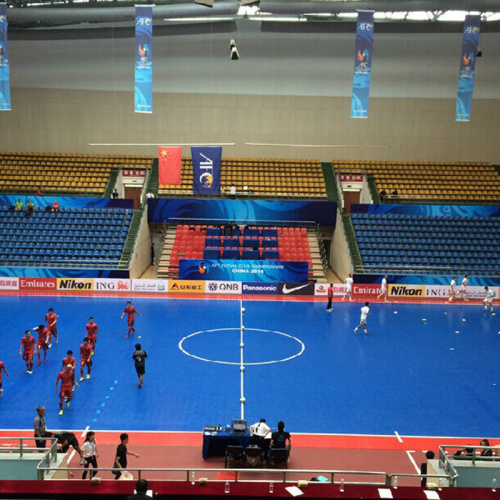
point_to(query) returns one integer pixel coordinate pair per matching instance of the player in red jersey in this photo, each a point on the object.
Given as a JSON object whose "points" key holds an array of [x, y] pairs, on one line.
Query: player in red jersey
{"points": [[92, 332], [51, 320], [2, 369], [130, 310], [67, 378], [43, 334], [85, 355], [69, 360], [28, 344]]}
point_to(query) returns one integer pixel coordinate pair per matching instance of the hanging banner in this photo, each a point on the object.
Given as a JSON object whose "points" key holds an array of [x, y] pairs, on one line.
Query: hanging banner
{"points": [[169, 165], [143, 59], [472, 29], [5, 104], [206, 170], [362, 65]]}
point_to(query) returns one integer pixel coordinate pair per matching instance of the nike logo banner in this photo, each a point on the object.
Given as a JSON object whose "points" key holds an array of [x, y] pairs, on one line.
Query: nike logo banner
{"points": [[296, 289]]}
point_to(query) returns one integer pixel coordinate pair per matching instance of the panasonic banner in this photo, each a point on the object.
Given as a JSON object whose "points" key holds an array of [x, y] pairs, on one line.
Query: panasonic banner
{"points": [[472, 29], [206, 170], [144, 59], [5, 104], [362, 65], [243, 270]]}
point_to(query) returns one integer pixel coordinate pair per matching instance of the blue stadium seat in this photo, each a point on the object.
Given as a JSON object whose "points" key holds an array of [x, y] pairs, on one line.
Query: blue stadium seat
{"points": [[251, 254], [211, 253], [231, 253]]}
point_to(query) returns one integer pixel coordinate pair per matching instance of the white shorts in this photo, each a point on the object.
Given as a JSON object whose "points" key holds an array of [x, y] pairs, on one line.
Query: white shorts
{"points": [[488, 300], [362, 320], [383, 289]]}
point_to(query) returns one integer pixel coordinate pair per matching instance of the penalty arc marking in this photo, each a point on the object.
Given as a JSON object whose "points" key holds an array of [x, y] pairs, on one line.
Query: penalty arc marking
{"points": [[187, 353]]}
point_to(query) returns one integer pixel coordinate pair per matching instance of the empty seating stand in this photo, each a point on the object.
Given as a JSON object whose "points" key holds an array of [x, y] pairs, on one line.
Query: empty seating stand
{"points": [[260, 177], [430, 181], [83, 238], [428, 245], [255, 243]]}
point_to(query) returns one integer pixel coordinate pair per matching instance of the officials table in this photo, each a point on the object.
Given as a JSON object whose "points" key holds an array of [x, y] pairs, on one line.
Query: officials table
{"points": [[215, 442]]}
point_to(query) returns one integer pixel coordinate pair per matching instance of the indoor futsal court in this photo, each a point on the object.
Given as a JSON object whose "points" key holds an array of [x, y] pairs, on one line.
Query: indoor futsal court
{"points": [[424, 369]]}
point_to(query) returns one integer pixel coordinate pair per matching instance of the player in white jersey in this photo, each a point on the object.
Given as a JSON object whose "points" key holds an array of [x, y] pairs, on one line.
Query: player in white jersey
{"points": [[348, 282], [383, 288], [488, 299], [453, 284], [463, 288], [365, 312]]}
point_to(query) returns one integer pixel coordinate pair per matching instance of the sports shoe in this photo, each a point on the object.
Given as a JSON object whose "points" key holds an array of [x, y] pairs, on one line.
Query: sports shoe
{"points": [[50, 345], [81, 379], [67, 404], [88, 375], [31, 371], [60, 412], [355, 331], [57, 340], [127, 336], [39, 362], [367, 332], [139, 386]]}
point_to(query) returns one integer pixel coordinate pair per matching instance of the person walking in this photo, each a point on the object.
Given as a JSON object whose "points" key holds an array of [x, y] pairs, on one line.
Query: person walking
{"points": [[139, 357], [121, 456], [330, 297], [365, 312], [348, 283], [90, 454]]}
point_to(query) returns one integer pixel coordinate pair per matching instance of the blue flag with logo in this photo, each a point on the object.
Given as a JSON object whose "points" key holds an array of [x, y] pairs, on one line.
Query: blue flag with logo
{"points": [[472, 29], [5, 104], [362, 65], [206, 170], [143, 59]]}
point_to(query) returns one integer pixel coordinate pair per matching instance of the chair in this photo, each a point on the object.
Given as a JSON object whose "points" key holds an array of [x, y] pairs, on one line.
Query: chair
{"points": [[254, 456], [234, 457], [278, 458]]}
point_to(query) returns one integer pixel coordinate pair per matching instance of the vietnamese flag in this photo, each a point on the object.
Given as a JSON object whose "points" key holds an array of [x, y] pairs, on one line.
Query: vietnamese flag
{"points": [[169, 165]]}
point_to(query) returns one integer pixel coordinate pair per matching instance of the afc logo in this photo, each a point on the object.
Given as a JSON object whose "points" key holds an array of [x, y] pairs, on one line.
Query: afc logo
{"points": [[365, 26], [471, 30], [144, 21]]}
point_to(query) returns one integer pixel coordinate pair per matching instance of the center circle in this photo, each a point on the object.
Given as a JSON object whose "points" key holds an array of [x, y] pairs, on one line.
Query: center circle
{"points": [[301, 346]]}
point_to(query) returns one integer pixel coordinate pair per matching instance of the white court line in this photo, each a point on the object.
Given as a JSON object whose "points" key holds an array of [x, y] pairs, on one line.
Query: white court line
{"points": [[398, 436], [73, 452], [412, 460]]}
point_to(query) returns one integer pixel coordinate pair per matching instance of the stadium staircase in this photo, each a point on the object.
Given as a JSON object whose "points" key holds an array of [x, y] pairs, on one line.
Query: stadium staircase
{"points": [[153, 183], [318, 264], [332, 193], [372, 185], [128, 248], [352, 243], [110, 186], [163, 264]]}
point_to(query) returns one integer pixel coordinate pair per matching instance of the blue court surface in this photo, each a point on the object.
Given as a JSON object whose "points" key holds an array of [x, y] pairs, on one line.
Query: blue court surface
{"points": [[424, 370]]}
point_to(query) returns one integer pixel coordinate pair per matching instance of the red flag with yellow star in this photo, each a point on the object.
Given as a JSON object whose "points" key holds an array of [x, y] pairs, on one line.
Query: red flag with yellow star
{"points": [[169, 165]]}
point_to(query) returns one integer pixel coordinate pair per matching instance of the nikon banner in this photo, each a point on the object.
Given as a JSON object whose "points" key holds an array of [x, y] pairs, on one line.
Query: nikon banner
{"points": [[75, 284]]}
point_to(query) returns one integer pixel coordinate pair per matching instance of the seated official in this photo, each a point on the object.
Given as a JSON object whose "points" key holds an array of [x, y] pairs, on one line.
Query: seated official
{"points": [[30, 209], [261, 434], [18, 206], [464, 453], [55, 206], [281, 438], [486, 453]]}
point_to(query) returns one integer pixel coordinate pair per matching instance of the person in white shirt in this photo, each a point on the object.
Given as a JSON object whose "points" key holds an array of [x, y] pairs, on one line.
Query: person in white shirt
{"points": [[261, 433], [463, 288], [365, 312], [348, 282], [383, 288], [90, 454], [488, 299], [453, 284], [150, 194]]}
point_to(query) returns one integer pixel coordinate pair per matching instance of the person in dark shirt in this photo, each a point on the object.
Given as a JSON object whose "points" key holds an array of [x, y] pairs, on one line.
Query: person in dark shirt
{"points": [[121, 456], [141, 487], [486, 453], [67, 439], [423, 467], [281, 438], [139, 357]]}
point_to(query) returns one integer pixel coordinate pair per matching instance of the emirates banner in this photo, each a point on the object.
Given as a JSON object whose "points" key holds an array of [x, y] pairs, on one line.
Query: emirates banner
{"points": [[472, 29]]}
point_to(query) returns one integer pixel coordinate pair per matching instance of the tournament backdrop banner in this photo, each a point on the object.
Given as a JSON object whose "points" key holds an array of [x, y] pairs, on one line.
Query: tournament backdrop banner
{"points": [[66, 201], [423, 280], [143, 59], [206, 170], [5, 104], [428, 210], [362, 65], [243, 270], [277, 212], [42, 273], [472, 29]]}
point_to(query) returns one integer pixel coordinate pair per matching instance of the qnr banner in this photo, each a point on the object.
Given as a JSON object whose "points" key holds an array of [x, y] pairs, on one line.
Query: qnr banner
{"points": [[243, 270], [206, 170], [362, 65], [143, 59], [5, 104], [472, 29]]}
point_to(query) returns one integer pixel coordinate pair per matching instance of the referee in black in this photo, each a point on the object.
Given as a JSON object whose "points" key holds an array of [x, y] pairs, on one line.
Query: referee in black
{"points": [[139, 357]]}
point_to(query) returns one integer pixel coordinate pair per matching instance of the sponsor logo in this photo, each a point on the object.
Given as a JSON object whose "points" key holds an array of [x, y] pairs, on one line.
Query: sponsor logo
{"points": [[296, 288], [260, 288], [79, 284], [472, 30], [365, 26], [111, 285], [233, 287], [144, 21], [178, 286], [366, 289], [9, 284], [37, 283], [406, 290], [150, 286]]}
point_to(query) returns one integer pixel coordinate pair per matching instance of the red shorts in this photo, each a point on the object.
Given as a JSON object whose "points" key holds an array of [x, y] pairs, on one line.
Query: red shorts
{"points": [[53, 330], [84, 362], [130, 321], [66, 393], [43, 346], [28, 356], [92, 340]]}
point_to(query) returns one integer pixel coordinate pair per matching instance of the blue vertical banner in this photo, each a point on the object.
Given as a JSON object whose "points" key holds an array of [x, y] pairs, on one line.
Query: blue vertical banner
{"points": [[362, 65], [5, 104], [143, 59], [472, 29], [206, 170]]}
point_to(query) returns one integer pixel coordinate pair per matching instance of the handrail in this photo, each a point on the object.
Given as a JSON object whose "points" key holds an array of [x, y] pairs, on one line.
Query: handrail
{"points": [[21, 449], [180, 221]]}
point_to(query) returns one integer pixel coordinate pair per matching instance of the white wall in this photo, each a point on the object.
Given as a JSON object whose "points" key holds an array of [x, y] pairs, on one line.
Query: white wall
{"points": [[340, 257], [141, 258]]}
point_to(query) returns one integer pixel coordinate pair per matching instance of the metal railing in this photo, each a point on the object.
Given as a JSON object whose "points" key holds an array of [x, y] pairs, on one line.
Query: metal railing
{"points": [[23, 449], [242, 222]]}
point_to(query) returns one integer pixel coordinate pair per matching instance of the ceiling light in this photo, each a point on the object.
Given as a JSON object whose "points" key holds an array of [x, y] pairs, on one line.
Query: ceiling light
{"points": [[233, 51]]}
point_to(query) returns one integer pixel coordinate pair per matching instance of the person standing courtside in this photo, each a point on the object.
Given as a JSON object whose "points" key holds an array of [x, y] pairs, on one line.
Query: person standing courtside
{"points": [[90, 454], [40, 427], [260, 432], [330, 298], [139, 357], [121, 456]]}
